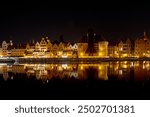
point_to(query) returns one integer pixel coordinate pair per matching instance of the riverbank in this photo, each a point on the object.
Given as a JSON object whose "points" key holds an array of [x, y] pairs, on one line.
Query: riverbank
{"points": [[77, 60], [67, 60], [6, 60]]}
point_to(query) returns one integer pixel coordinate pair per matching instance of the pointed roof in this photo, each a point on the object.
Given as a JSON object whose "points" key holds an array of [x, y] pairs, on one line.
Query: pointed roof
{"points": [[128, 41], [120, 42], [37, 43], [145, 36]]}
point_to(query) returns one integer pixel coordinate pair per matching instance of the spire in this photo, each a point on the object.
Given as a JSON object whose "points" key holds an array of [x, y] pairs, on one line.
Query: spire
{"points": [[144, 33], [145, 36]]}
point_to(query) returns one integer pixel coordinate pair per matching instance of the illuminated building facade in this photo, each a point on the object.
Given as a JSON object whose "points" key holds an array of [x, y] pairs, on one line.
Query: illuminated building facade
{"points": [[55, 49], [90, 45], [124, 49], [113, 52], [142, 47]]}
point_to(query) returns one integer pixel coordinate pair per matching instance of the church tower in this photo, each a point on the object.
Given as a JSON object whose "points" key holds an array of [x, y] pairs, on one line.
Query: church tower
{"points": [[91, 39]]}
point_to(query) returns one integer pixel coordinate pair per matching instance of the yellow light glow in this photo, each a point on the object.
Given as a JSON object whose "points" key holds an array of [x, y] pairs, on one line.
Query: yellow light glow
{"points": [[125, 62], [64, 66], [100, 54], [81, 67], [124, 55], [101, 49], [81, 54], [99, 67], [125, 66]]}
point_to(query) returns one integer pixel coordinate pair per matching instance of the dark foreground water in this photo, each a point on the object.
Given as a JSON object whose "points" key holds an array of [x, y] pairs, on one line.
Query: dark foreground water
{"points": [[108, 80]]}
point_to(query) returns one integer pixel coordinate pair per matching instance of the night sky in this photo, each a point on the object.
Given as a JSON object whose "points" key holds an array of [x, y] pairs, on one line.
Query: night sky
{"points": [[22, 22]]}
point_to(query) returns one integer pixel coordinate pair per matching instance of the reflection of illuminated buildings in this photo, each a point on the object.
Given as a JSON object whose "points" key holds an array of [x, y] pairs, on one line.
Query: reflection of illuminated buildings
{"points": [[142, 70], [119, 69], [48, 71], [102, 71]]}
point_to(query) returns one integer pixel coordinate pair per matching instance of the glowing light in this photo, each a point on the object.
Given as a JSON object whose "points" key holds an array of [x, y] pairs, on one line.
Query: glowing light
{"points": [[64, 66], [64, 56], [60, 68], [143, 66], [101, 49], [81, 54], [125, 62], [125, 66], [99, 67], [100, 54], [81, 67], [12, 77], [132, 64], [120, 72]]}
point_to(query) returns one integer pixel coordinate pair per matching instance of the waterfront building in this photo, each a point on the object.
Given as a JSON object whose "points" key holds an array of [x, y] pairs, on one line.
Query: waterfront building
{"points": [[142, 47], [43, 45], [55, 49], [1, 53], [18, 51], [124, 49], [103, 49], [30, 48], [92, 46], [4, 48], [82, 47], [113, 51]]}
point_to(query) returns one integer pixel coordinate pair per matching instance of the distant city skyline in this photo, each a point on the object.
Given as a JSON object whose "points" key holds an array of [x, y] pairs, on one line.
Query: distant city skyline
{"points": [[24, 22]]}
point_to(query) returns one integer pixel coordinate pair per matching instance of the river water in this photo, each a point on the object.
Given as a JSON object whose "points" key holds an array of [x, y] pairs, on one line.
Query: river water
{"points": [[106, 80]]}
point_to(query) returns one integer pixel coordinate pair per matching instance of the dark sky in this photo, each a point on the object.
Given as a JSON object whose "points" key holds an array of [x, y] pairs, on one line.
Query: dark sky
{"points": [[22, 22]]}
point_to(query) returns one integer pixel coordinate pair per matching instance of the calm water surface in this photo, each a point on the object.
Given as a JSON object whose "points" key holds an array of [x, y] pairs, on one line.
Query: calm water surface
{"points": [[108, 80]]}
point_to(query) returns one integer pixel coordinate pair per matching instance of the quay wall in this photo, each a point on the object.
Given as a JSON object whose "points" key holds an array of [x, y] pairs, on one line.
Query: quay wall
{"points": [[77, 60]]}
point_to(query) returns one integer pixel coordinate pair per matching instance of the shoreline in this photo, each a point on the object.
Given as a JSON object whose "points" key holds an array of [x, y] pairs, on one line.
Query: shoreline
{"points": [[69, 60], [78, 60]]}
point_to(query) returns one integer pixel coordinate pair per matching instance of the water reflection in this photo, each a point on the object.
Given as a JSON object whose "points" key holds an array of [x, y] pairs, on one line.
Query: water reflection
{"points": [[104, 71]]}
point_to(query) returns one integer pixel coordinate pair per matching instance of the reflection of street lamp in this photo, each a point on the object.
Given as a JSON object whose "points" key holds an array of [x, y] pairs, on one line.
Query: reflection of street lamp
{"points": [[121, 49], [100, 54], [81, 67], [99, 67], [81, 54]]}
